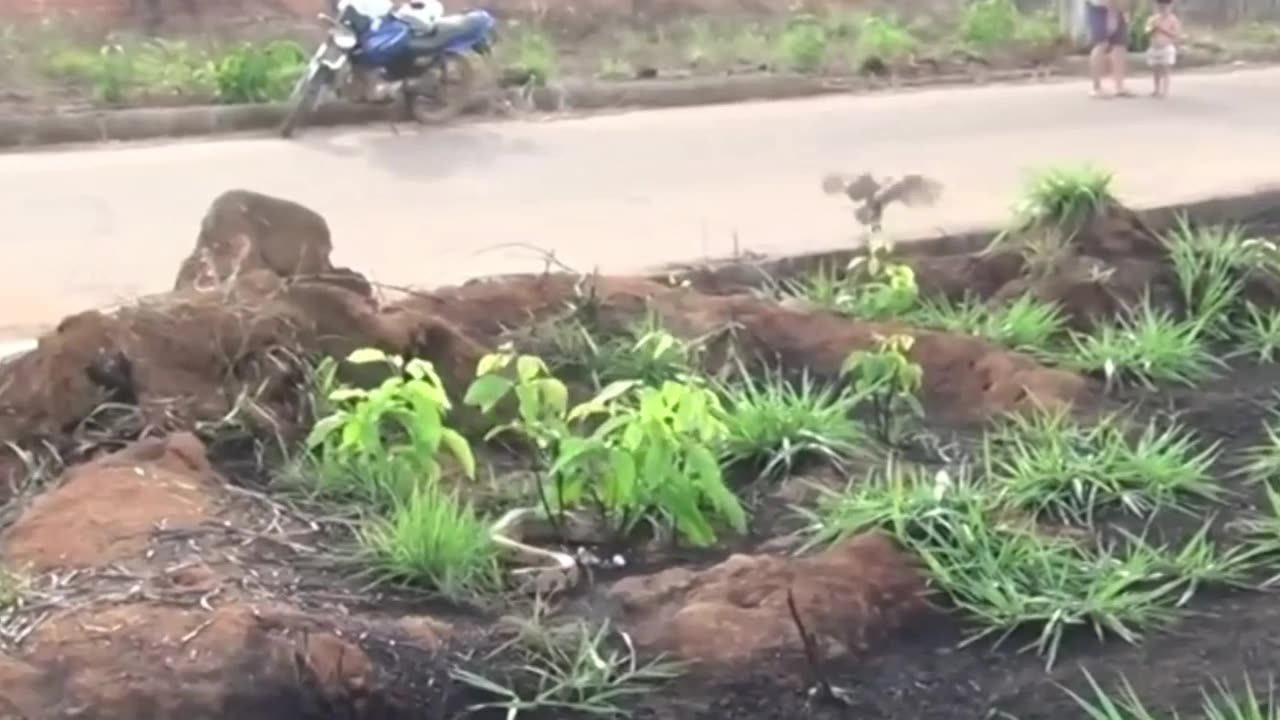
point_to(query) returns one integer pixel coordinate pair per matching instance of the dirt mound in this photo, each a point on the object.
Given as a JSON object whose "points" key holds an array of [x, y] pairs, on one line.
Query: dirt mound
{"points": [[146, 628], [143, 660], [105, 511], [847, 597], [1108, 264]]}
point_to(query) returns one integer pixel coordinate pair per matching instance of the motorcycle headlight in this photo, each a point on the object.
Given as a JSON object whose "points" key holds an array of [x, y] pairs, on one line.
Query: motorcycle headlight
{"points": [[344, 39]]}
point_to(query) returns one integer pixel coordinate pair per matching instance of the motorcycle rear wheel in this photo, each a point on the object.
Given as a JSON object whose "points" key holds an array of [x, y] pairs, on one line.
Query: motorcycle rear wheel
{"points": [[304, 98], [445, 91]]}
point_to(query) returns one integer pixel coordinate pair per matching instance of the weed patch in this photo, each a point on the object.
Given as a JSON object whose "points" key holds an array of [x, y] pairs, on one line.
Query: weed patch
{"points": [[572, 668], [1046, 464], [1008, 576], [1146, 347], [775, 425]]}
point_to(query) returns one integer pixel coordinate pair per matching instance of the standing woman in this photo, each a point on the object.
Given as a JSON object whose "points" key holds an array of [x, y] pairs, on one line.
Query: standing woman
{"points": [[1109, 38]]}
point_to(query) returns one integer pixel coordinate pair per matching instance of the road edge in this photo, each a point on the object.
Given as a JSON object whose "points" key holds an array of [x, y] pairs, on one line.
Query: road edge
{"points": [[1244, 208], [20, 132]]}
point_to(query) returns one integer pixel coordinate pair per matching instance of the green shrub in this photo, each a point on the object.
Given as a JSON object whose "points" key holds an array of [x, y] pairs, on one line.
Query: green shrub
{"points": [[372, 441], [803, 44], [633, 453], [885, 38], [258, 73], [985, 24]]}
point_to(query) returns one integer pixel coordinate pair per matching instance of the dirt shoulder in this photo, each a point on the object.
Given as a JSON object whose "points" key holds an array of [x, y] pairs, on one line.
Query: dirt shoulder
{"points": [[63, 65]]}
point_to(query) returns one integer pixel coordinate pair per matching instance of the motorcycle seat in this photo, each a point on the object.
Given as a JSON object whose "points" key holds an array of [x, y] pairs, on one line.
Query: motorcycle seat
{"points": [[449, 28]]}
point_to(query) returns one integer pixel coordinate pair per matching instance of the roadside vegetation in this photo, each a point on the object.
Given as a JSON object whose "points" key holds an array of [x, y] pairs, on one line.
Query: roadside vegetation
{"points": [[131, 69]]}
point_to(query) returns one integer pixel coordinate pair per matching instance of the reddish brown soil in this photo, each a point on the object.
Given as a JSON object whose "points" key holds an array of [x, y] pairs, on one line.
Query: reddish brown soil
{"points": [[164, 583]]}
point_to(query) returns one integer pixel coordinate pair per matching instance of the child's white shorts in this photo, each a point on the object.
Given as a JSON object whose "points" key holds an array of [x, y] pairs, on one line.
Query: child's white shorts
{"points": [[1166, 56]]}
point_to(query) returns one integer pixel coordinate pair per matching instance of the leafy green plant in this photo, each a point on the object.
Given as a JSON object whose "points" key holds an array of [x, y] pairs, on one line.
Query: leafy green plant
{"points": [[776, 424], [253, 73], [871, 287], [877, 288], [1259, 332], [889, 382], [655, 457], [572, 668], [884, 37], [1145, 347], [1046, 463], [803, 44], [652, 455], [434, 538], [391, 432]]}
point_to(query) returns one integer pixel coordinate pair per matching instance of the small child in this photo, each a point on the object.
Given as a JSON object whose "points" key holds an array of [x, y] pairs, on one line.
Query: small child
{"points": [[1164, 30]]}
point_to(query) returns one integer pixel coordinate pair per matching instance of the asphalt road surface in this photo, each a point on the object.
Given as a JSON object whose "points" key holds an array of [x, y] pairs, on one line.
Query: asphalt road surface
{"points": [[89, 227]]}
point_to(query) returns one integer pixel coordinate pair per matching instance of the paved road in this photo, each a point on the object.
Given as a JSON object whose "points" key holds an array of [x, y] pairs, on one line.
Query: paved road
{"points": [[92, 226]]}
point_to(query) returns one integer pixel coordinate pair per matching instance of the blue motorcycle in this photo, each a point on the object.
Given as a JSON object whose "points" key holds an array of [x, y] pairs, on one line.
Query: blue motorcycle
{"points": [[430, 61]]}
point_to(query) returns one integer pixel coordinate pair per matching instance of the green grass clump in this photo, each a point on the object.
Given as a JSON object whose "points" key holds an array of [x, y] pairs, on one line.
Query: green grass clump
{"points": [[1209, 263], [1047, 464], [1259, 333], [1146, 347], [1261, 462], [434, 539], [568, 669], [776, 425], [1007, 575], [1026, 323], [1220, 703], [1064, 197]]}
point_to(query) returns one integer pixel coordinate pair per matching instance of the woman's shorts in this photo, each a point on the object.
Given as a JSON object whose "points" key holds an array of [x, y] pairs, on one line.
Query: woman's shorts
{"points": [[1098, 34], [1166, 56]]}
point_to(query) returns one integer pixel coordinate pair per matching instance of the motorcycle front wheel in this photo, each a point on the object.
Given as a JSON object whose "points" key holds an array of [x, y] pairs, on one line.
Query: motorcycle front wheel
{"points": [[445, 89], [305, 96]]}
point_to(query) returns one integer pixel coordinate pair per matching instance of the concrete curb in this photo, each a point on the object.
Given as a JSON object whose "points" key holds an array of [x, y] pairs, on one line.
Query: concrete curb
{"points": [[28, 131], [1260, 207]]}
